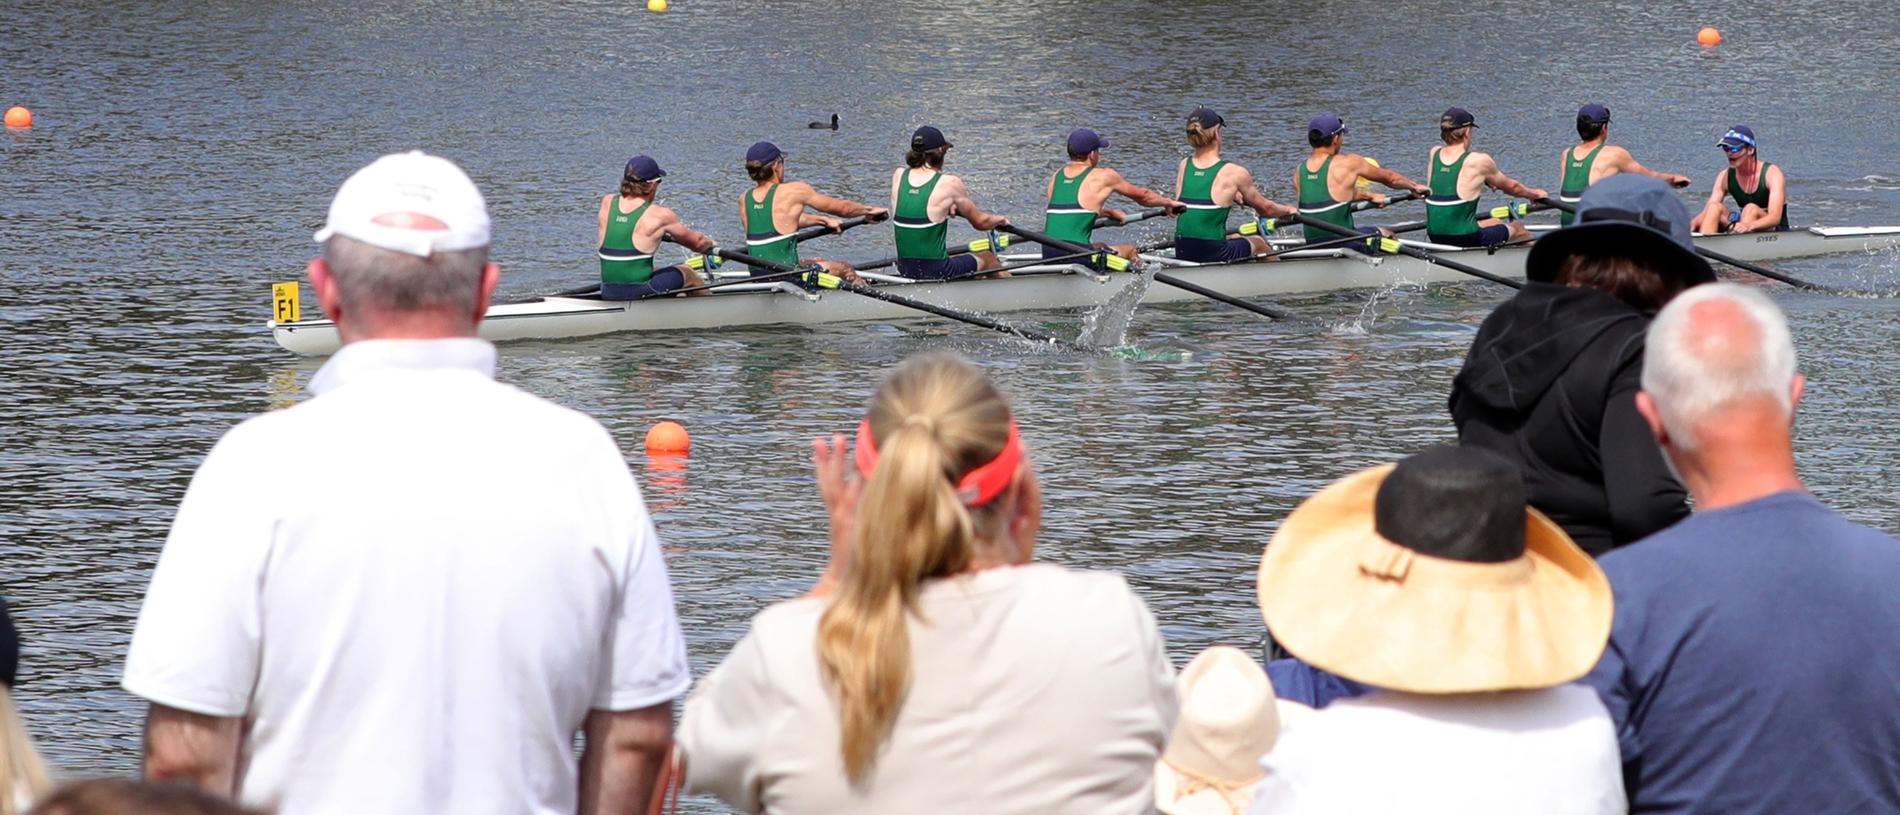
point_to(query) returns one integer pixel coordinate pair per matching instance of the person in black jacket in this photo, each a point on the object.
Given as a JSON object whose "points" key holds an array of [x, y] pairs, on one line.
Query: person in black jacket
{"points": [[1551, 380]]}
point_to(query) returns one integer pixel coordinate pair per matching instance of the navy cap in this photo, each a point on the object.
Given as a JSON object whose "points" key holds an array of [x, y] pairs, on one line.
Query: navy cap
{"points": [[1456, 118], [1206, 117], [1631, 215], [643, 168], [1739, 136], [1594, 114], [1325, 126], [928, 138], [1083, 141], [763, 152], [9, 647]]}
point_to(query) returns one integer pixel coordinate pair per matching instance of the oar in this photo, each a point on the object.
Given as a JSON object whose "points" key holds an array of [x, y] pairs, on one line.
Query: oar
{"points": [[834, 282], [695, 262], [1721, 258], [1273, 311], [984, 244], [820, 230], [1395, 246]]}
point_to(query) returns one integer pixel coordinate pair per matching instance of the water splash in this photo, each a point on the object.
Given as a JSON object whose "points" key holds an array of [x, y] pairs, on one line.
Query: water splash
{"points": [[1368, 315], [1106, 325]]}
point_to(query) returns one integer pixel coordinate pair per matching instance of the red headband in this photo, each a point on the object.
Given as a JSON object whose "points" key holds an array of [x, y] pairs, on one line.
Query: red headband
{"points": [[978, 486]]}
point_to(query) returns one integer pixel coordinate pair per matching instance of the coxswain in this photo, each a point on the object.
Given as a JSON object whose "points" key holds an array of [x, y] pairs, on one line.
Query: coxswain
{"points": [[923, 200], [1079, 192], [1211, 187], [775, 209], [631, 228], [1458, 176], [1593, 160], [1328, 181], [1759, 190]]}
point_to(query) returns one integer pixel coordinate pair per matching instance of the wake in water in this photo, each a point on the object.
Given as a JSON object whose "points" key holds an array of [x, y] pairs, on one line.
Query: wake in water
{"points": [[1106, 325], [1368, 316]]}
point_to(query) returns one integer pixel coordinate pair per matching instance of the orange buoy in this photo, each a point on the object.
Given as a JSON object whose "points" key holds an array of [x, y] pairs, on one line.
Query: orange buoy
{"points": [[18, 116], [1709, 36], [668, 437]]}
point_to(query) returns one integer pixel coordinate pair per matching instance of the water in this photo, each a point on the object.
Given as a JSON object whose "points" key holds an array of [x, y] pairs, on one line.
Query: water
{"points": [[185, 151]]}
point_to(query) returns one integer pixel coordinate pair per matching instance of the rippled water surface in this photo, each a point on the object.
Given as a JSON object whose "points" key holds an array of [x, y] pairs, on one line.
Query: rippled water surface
{"points": [[184, 152]]}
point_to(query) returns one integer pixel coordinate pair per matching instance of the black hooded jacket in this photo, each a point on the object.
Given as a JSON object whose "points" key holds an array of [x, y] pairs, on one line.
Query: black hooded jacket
{"points": [[1550, 382]]}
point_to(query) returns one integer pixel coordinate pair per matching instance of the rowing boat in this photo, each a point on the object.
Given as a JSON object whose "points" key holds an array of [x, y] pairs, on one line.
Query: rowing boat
{"points": [[1042, 288]]}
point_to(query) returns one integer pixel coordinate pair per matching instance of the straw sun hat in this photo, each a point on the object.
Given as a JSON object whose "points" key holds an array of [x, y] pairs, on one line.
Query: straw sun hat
{"points": [[1432, 576], [1229, 719]]}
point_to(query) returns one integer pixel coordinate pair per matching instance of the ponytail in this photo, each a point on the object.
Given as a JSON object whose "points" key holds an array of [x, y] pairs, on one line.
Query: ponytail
{"points": [[935, 418], [1198, 136]]}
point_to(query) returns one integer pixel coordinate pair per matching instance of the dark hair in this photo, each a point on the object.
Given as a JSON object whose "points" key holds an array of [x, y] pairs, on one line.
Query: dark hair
{"points": [[1588, 129], [635, 188], [1314, 138], [760, 170], [933, 157], [1445, 133], [1074, 156], [108, 796], [1639, 284]]}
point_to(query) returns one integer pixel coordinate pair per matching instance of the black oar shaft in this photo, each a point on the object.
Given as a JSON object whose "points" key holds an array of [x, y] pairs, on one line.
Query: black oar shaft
{"points": [[1411, 251], [1274, 312], [1719, 257], [821, 230]]}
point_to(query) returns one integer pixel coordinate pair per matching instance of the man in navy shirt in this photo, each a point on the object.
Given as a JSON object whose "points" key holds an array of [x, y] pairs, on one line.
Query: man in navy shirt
{"points": [[1754, 665]]}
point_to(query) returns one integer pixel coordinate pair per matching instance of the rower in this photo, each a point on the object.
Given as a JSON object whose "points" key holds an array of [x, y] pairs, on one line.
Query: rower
{"points": [[631, 228], [1759, 190], [1210, 187], [923, 199], [775, 209], [1328, 189], [1079, 192], [1458, 177], [1593, 160]]}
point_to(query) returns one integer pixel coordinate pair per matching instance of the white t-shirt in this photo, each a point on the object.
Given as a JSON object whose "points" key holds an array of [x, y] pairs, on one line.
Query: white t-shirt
{"points": [[413, 587], [1550, 752], [1034, 689]]}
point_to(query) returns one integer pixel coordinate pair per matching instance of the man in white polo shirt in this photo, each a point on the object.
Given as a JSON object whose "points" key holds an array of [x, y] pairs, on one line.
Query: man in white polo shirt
{"points": [[410, 593]]}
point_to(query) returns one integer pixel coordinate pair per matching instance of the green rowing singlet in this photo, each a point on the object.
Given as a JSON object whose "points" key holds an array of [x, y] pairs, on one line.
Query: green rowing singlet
{"points": [[1445, 212], [1065, 219], [762, 238], [1317, 202], [1759, 197], [620, 262], [1576, 179], [1203, 219], [918, 237]]}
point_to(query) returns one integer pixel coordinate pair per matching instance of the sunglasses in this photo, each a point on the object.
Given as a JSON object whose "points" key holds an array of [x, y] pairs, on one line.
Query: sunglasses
{"points": [[1732, 149]]}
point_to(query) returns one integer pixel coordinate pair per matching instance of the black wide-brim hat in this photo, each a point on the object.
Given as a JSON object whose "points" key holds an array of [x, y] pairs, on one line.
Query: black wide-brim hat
{"points": [[1629, 215]]}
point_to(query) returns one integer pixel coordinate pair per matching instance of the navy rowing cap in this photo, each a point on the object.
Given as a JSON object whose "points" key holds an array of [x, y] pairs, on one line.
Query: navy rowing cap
{"points": [[1083, 141], [1631, 215], [643, 168], [927, 138], [1206, 117], [1457, 117], [763, 152], [1594, 114], [1325, 125], [1739, 136]]}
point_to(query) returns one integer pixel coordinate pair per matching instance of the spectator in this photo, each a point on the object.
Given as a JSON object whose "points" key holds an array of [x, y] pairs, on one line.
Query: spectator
{"points": [[1550, 381], [420, 613], [1431, 580], [23, 777], [1229, 719], [1752, 667], [112, 796], [934, 668]]}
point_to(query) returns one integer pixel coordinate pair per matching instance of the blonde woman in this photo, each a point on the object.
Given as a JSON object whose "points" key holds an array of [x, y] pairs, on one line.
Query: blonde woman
{"points": [[934, 668], [23, 776]]}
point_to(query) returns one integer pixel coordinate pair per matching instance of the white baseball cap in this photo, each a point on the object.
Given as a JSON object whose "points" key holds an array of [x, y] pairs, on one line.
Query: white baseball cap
{"points": [[413, 182]]}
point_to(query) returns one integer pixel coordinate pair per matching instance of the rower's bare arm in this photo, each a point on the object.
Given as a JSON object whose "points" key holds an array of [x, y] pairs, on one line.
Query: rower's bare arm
{"points": [[671, 226], [1142, 195], [192, 748], [604, 204], [844, 209], [1628, 164], [1497, 180], [1392, 178], [1249, 195], [1180, 176], [963, 206], [1770, 218], [624, 757]]}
